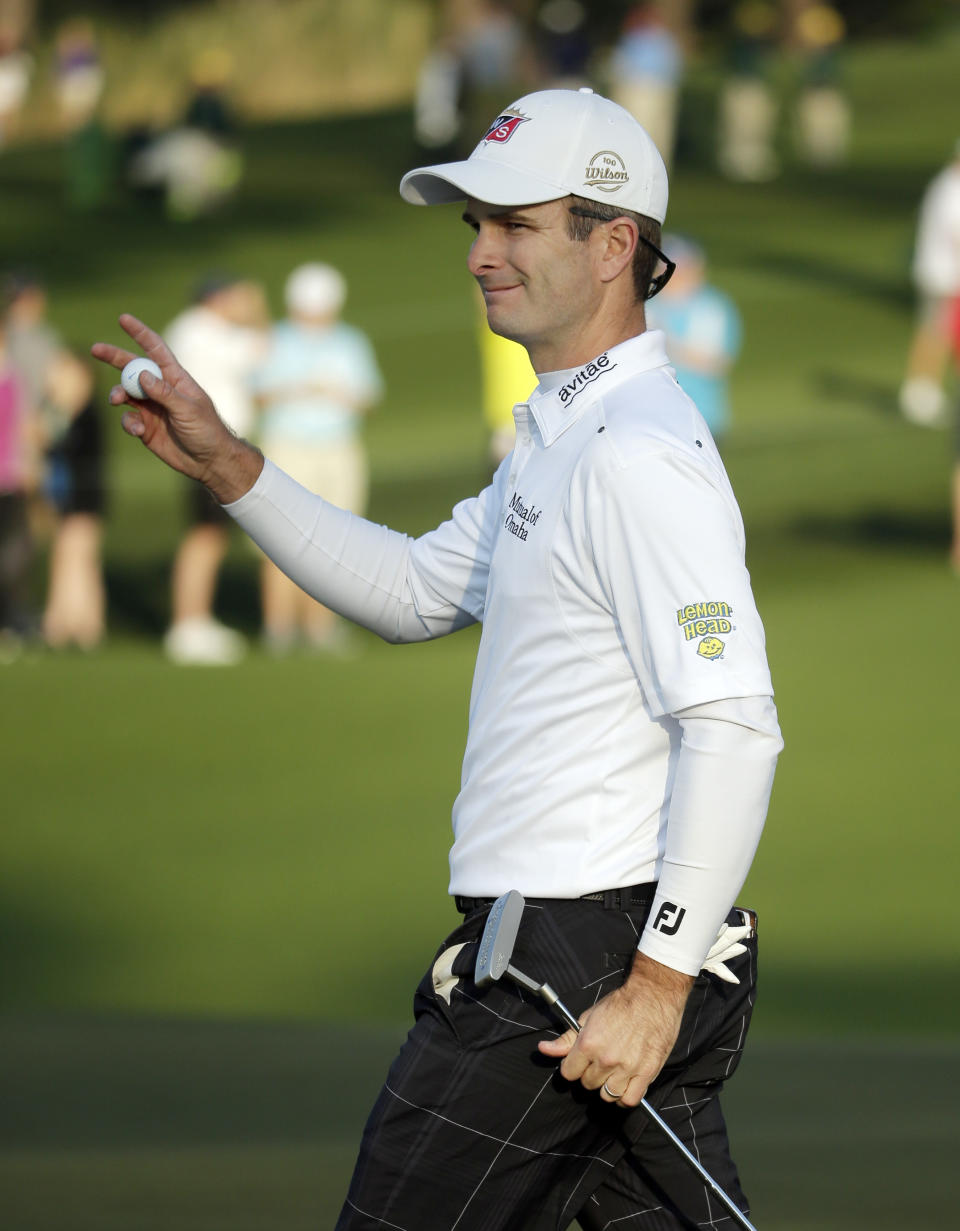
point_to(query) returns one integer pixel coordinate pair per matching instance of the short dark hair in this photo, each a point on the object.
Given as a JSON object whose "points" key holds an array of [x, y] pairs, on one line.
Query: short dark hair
{"points": [[644, 259]]}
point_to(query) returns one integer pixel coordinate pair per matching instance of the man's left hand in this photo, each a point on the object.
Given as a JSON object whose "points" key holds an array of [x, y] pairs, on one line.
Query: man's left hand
{"points": [[626, 1037]]}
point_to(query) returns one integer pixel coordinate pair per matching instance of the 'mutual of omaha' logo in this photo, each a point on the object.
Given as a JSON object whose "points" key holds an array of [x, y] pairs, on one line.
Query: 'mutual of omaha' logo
{"points": [[606, 171], [521, 517], [504, 126], [706, 620]]}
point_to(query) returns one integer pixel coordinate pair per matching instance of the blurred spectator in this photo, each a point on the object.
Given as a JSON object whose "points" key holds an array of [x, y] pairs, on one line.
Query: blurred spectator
{"points": [[479, 58], [16, 65], [955, 484], [33, 344], [75, 610], [436, 107], [563, 45], [219, 340], [313, 387], [703, 332], [748, 106], [646, 68], [78, 72], [198, 164], [506, 378], [822, 117], [63, 421], [79, 83], [936, 275], [16, 547]]}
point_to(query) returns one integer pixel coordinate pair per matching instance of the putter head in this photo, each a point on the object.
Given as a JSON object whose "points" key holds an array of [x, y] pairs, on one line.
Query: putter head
{"points": [[499, 937]]}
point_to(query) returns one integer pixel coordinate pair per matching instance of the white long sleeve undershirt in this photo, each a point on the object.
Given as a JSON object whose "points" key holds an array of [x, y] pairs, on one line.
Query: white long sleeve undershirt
{"points": [[354, 566], [724, 776]]}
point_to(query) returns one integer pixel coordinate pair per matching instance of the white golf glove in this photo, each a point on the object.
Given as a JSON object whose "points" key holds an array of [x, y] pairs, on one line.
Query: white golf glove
{"points": [[728, 946]]}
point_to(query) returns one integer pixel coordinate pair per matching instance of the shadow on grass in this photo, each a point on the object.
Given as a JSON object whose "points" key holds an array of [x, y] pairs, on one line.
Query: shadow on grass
{"points": [[147, 1123], [138, 596], [927, 532], [873, 395]]}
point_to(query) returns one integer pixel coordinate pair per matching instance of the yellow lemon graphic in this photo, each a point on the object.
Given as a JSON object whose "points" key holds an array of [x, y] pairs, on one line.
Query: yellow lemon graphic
{"points": [[710, 647]]}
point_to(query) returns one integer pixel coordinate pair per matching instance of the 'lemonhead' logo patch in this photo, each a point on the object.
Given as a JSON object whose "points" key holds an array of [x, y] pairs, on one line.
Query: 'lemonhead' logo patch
{"points": [[708, 621], [504, 126]]}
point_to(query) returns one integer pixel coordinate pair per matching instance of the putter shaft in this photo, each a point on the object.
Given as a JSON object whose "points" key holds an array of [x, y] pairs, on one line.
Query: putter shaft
{"points": [[546, 993]]}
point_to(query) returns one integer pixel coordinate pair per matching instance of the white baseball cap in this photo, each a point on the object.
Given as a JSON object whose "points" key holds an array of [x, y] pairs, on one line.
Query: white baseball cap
{"points": [[546, 146], [315, 290]]}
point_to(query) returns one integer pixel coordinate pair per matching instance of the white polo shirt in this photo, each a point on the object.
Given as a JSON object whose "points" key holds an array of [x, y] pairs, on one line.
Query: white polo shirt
{"points": [[616, 595], [606, 564]]}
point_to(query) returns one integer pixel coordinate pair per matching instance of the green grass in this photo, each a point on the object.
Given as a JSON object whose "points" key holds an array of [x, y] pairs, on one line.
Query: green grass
{"points": [[270, 842], [145, 1125]]}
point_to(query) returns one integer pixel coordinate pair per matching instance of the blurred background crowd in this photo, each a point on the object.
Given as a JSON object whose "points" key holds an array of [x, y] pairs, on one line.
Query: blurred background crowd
{"points": [[133, 138]]}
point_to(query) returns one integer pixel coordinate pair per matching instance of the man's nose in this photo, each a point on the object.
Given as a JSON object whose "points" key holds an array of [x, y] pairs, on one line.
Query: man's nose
{"points": [[484, 252]]}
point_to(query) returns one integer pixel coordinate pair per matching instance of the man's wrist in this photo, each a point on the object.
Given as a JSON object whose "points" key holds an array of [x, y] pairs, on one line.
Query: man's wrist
{"points": [[649, 977], [234, 472]]}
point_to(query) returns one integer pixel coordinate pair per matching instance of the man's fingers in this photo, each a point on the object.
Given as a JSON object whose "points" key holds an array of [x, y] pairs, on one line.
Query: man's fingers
{"points": [[613, 1088], [116, 356], [132, 423], [636, 1089], [559, 1047], [147, 338]]}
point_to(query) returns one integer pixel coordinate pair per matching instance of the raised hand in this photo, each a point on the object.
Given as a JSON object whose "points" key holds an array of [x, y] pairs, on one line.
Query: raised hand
{"points": [[177, 421]]}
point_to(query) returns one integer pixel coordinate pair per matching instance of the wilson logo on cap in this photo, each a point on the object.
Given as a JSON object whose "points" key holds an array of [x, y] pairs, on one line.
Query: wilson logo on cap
{"points": [[504, 126], [606, 171]]}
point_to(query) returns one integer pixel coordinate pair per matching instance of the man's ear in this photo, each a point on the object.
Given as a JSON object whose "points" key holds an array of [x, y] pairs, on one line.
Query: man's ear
{"points": [[620, 238]]}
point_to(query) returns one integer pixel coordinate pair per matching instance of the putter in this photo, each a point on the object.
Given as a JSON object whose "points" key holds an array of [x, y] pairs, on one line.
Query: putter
{"points": [[493, 961]]}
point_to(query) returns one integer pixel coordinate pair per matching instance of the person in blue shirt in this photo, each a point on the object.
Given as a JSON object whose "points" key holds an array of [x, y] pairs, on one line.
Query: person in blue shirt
{"points": [[313, 387], [703, 332]]}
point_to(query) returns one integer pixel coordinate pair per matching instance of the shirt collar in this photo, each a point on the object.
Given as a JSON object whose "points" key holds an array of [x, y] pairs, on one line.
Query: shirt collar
{"points": [[556, 409]]}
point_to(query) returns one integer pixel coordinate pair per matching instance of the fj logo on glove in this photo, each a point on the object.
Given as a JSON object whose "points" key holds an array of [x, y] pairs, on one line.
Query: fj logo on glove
{"points": [[669, 917]]}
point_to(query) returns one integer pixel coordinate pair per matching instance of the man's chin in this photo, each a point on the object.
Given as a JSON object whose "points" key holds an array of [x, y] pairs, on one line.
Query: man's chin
{"points": [[503, 327]]}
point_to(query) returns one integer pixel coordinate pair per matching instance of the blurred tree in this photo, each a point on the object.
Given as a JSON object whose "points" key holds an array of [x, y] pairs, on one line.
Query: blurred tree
{"points": [[50, 13]]}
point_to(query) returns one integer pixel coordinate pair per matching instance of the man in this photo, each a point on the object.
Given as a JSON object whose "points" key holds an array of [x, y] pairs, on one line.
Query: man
{"points": [[936, 275], [622, 734], [313, 387], [220, 337], [702, 331]]}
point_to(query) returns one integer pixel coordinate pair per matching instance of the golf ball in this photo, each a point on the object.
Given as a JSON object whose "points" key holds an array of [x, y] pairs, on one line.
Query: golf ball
{"points": [[130, 376]]}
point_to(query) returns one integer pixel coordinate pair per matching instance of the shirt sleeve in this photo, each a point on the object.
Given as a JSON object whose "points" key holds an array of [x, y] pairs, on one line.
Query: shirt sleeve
{"points": [[671, 555], [401, 588], [669, 546], [724, 776]]}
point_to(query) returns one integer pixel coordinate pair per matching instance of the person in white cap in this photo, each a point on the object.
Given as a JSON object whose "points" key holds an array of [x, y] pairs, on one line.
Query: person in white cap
{"points": [[622, 735], [315, 383]]}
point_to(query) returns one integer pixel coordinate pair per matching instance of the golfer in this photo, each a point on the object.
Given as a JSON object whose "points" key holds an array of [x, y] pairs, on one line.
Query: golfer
{"points": [[622, 736]]}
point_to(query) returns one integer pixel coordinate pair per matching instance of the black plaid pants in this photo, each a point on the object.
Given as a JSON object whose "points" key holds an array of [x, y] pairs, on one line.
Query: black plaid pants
{"points": [[474, 1130]]}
